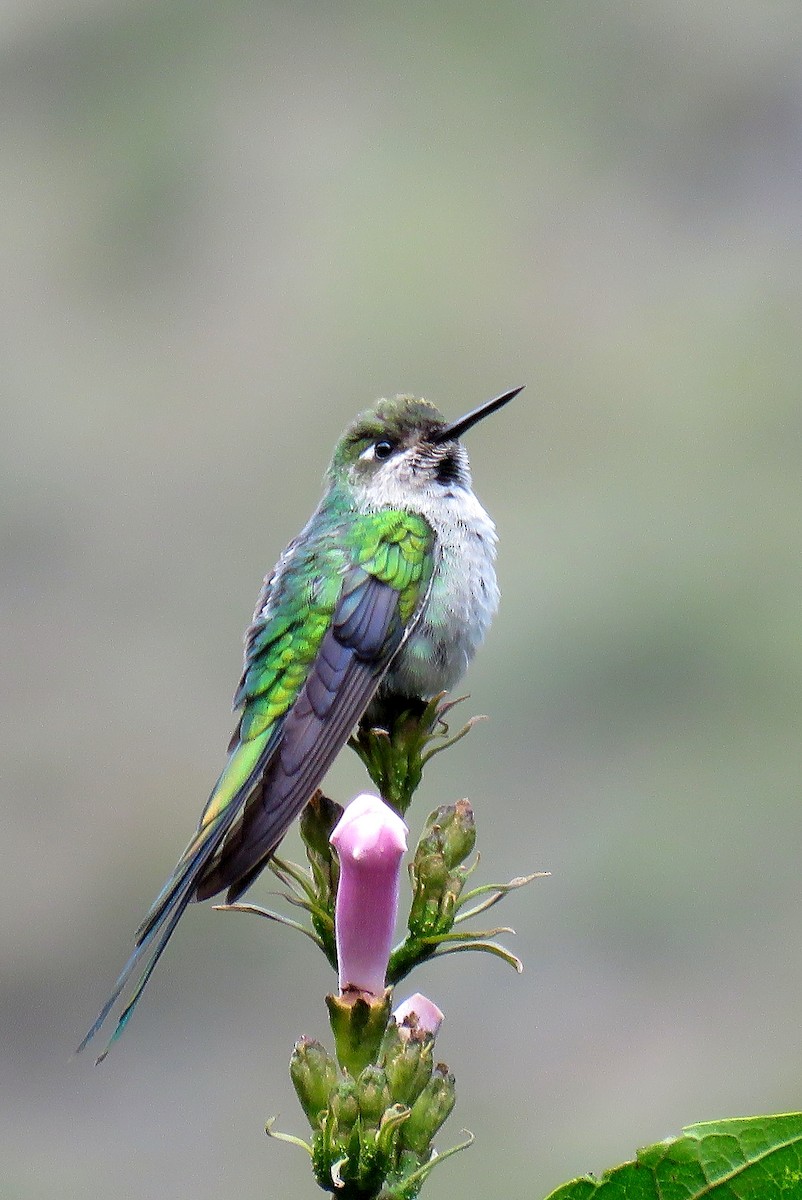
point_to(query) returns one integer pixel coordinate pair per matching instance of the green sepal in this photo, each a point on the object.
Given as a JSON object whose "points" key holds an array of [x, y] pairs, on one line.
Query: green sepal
{"points": [[302, 891], [411, 1177], [358, 1024]]}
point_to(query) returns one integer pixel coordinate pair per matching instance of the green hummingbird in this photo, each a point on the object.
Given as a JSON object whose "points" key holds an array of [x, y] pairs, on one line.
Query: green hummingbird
{"points": [[389, 589]]}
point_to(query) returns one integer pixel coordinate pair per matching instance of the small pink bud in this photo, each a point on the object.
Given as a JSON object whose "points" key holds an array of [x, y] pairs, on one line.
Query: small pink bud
{"points": [[370, 840], [418, 1013]]}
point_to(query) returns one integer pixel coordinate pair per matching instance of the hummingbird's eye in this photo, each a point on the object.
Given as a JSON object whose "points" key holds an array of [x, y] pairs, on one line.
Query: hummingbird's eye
{"points": [[380, 450]]}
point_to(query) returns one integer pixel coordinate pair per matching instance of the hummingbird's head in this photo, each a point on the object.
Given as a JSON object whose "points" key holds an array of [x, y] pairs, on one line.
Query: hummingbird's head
{"points": [[404, 449]]}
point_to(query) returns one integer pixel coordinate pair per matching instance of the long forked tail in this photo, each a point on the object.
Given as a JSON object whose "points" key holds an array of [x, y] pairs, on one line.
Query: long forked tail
{"points": [[139, 952], [156, 930]]}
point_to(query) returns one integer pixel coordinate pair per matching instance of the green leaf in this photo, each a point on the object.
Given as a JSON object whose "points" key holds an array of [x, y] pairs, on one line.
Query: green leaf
{"points": [[487, 947], [279, 918], [499, 891], [748, 1158]]}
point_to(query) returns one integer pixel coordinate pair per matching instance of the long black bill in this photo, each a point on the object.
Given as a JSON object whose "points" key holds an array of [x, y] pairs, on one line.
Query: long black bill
{"points": [[456, 429]]}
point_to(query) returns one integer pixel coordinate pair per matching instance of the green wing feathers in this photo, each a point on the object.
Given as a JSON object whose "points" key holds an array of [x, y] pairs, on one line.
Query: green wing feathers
{"points": [[393, 547], [397, 549], [357, 611], [329, 621]]}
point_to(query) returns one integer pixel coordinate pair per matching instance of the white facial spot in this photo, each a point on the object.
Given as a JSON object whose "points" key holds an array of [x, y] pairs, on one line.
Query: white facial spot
{"points": [[378, 451]]}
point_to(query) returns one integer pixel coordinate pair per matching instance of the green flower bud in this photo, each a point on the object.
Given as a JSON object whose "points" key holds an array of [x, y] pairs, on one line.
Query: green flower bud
{"points": [[318, 819], [429, 880], [431, 840], [437, 878], [429, 1111], [314, 1076], [408, 1064], [373, 1094], [343, 1110], [457, 831]]}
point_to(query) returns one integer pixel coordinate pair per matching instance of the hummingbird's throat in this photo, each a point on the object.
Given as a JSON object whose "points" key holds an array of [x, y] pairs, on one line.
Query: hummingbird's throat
{"points": [[449, 471]]}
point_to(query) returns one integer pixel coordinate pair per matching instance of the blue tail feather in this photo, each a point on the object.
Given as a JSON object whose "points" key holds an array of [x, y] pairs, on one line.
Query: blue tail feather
{"points": [[169, 907], [123, 978], [166, 934]]}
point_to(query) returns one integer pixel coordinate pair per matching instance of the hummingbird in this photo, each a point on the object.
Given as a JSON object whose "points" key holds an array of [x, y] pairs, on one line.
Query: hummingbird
{"points": [[387, 591]]}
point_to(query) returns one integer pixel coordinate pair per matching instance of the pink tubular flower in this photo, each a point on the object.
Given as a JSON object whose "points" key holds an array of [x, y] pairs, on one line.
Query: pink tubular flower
{"points": [[370, 840], [418, 1013]]}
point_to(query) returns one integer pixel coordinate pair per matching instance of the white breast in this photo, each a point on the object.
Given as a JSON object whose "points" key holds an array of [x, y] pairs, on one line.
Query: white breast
{"points": [[463, 594], [462, 600]]}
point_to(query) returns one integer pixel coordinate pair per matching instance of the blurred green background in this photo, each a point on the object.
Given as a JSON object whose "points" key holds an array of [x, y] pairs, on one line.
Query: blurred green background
{"points": [[229, 227]]}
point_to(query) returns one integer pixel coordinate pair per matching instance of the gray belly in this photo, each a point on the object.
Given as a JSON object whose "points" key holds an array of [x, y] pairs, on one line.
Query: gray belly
{"points": [[462, 601]]}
